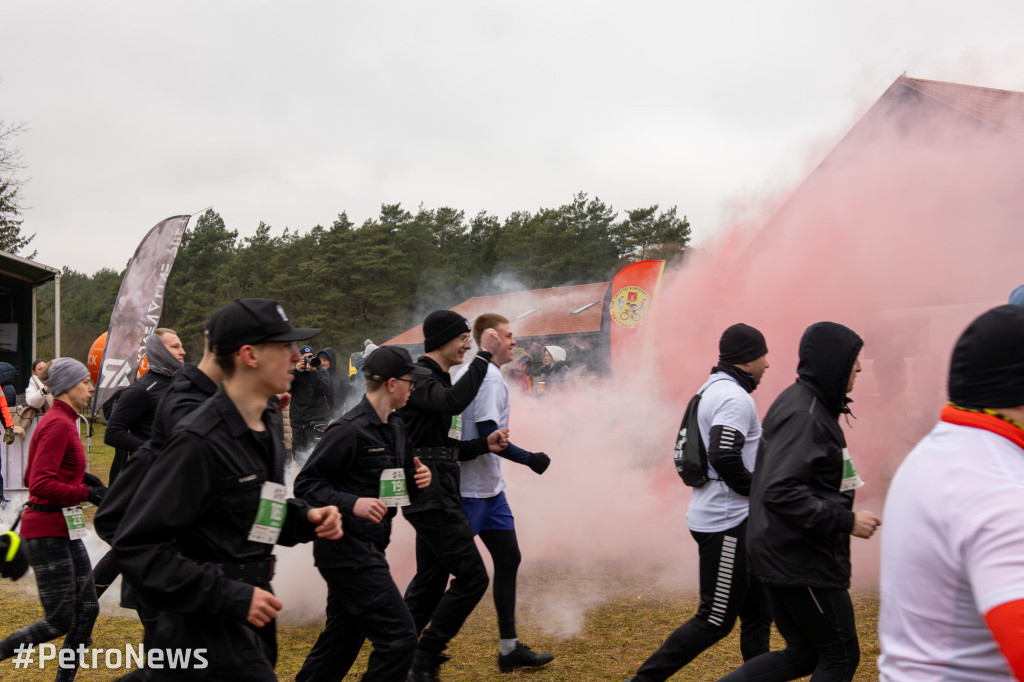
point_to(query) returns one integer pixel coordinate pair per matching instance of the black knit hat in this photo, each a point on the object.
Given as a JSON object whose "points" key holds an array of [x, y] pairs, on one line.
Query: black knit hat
{"points": [[440, 327], [740, 344], [13, 561], [987, 369]]}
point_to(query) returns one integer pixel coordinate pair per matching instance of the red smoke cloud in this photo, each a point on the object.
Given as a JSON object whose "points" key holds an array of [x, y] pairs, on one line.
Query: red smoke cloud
{"points": [[909, 229]]}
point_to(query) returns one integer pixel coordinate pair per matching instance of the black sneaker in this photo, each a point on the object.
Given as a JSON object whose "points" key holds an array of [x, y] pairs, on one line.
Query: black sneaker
{"points": [[522, 657], [424, 668]]}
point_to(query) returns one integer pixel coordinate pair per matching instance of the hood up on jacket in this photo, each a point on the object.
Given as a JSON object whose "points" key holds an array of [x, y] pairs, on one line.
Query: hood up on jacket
{"points": [[557, 353], [828, 351], [331, 357]]}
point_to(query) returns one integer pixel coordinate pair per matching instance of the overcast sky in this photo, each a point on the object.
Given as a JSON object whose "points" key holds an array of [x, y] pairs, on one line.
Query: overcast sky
{"points": [[289, 113]]}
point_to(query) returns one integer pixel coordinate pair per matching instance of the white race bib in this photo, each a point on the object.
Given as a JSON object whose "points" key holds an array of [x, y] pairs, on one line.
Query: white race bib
{"points": [[393, 491], [456, 428], [851, 479], [270, 514], [76, 523]]}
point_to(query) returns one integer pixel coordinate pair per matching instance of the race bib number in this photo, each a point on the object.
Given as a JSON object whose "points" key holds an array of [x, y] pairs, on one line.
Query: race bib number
{"points": [[393, 491], [75, 521], [456, 429], [270, 514], [851, 479]]}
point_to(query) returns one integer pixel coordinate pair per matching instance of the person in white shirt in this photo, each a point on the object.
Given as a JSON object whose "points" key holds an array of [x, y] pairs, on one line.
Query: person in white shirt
{"points": [[483, 493], [36, 394], [952, 571], [717, 515]]}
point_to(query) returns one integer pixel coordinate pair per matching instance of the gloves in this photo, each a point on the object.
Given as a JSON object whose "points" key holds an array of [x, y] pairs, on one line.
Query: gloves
{"points": [[539, 462], [9, 435], [92, 480], [18, 431], [97, 493]]}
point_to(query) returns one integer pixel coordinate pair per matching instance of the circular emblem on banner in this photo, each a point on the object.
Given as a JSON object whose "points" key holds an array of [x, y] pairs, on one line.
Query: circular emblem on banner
{"points": [[629, 306]]}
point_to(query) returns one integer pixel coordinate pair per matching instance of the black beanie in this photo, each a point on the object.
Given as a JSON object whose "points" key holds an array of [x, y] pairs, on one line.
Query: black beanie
{"points": [[13, 562], [740, 344], [440, 327], [987, 369]]}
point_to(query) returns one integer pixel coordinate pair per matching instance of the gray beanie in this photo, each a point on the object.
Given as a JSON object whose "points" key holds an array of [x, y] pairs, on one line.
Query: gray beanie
{"points": [[64, 374]]}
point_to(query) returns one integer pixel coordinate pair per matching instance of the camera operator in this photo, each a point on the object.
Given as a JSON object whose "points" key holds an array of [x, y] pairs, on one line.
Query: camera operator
{"points": [[311, 403]]}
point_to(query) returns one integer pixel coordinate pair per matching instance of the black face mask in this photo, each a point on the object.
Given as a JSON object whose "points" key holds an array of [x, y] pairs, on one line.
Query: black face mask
{"points": [[742, 377]]}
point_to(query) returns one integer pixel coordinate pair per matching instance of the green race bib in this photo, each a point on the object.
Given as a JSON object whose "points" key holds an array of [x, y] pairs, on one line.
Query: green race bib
{"points": [[393, 491], [270, 514]]}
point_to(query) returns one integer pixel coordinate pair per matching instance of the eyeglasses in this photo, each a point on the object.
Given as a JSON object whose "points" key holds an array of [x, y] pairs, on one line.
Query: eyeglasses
{"points": [[411, 382]]}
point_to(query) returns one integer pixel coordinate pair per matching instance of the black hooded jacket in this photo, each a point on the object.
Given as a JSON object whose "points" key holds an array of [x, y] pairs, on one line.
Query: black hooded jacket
{"points": [[339, 382], [798, 532]]}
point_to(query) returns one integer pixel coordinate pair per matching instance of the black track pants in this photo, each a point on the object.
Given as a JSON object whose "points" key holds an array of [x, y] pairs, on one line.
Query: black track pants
{"points": [[727, 590], [820, 634], [444, 546]]}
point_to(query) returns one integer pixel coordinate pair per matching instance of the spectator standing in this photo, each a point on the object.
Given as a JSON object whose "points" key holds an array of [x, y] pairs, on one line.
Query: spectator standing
{"points": [[310, 408]]}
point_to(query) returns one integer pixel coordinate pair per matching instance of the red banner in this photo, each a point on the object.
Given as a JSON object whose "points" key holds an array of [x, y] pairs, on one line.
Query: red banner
{"points": [[629, 305]]}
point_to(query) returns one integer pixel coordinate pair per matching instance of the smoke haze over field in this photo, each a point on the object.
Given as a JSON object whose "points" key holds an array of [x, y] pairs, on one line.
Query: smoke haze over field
{"points": [[904, 237], [911, 228]]}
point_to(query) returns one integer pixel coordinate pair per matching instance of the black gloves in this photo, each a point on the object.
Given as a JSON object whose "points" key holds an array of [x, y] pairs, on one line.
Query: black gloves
{"points": [[97, 493], [539, 462], [92, 480]]}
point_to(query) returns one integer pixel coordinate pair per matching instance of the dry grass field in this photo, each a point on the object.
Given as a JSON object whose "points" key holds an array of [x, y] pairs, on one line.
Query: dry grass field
{"points": [[616, 636]]}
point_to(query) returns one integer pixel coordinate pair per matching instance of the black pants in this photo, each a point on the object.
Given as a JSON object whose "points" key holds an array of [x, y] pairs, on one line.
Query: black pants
{"points": [[727, 590], [104, 573], [362, 603], [820, 634], [235, 650], [64, 578], [444, 546], [503, 546]]}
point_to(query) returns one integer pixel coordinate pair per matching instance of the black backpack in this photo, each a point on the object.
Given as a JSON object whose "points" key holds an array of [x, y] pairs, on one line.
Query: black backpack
{"points": [[691, 456]]}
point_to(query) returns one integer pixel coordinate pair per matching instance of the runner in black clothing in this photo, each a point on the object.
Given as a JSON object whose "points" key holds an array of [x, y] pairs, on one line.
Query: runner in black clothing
{"points": [[193, 544], [444, 540], [355, 467]]}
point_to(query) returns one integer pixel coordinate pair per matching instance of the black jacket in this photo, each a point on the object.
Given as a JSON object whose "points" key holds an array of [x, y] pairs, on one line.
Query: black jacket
{"points": [[311, 398], [339, 383], [190, 389], [799, 528], [131, 423], [346, 465], [428, 418], [200, 499]]}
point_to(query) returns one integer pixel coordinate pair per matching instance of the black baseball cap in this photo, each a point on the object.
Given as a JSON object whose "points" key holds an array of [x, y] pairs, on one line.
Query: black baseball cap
{"points": [[250, 321], [389, 362]]}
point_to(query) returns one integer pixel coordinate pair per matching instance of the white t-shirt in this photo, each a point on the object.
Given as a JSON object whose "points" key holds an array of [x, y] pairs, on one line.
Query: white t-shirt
{"points": [[482, 477], [952, 549], [715, 507]]}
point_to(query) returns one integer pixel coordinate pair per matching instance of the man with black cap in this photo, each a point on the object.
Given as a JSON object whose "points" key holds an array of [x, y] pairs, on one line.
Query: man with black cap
{"points": [[952, 576], [444, 540], [801, 515], [310, 408], [717, 515], [198, 545], [364, 465]]}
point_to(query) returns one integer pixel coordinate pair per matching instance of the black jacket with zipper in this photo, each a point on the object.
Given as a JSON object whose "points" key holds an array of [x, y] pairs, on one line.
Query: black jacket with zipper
{"points": [[799, 528], [428, 418]]}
